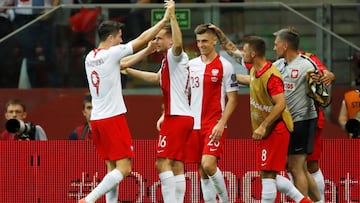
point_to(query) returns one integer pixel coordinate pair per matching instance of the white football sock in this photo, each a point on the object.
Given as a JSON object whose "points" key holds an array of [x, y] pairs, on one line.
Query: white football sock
{"points": [[268, 191], [110, 180], [180, 183], [219, 184], [285, 186], [208, 191], [319, 179], [168, 186], [113, 195]]}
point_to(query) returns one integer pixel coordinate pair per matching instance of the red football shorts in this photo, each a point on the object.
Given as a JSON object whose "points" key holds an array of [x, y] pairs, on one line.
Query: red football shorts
{"points": [[271, 152], [173, 135], [200, 144], [112, 138]]}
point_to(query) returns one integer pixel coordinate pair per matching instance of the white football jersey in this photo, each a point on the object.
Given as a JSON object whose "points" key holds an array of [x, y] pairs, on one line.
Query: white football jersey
{"points": [[174, 81], [103, 74], [209, 84]]}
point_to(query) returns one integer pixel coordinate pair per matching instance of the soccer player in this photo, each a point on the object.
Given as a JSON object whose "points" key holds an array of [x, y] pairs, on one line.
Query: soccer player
{"points": [[271, 120], [111, 135], [212, 80], [173, 77], [294, 67]]}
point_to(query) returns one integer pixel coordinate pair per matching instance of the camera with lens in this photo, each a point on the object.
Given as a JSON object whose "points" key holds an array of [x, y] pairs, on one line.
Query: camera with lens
{"points": [[24, 130], [352, 126]]}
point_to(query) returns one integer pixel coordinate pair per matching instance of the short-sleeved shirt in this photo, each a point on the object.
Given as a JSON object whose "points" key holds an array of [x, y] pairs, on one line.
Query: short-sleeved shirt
{"points": [[103, 73], [209, 84], [174, 81], [294, 72]]}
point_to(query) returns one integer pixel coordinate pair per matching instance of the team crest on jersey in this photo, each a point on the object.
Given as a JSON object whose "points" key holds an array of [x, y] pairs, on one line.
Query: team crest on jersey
{"points": [[294, 73], [214, 75]]}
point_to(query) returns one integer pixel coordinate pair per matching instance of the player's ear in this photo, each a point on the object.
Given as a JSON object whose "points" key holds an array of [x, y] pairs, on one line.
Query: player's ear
{"points": [[215, 40], [110, 38], [253, 54], [286, 45]]}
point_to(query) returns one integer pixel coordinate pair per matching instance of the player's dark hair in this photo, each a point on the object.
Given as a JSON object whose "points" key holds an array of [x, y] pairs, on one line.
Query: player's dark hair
{"points": [[256, 44], [107, 28], [204, 28]]}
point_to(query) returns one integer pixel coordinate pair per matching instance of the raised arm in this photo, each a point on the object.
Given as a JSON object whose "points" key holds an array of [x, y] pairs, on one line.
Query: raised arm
{"points": [[131, 60], [150, 33], [175, 29], [228, 45]]}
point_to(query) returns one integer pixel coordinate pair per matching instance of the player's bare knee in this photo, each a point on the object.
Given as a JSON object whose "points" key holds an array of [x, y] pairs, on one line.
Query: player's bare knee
{"points": [[163, 164], [125, 169], [312, 166], [209, 168]]}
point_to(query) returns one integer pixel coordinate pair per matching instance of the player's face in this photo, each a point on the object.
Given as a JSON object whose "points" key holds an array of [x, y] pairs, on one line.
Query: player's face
{"points": [[163, 41], [117, 39], [87, 110], [206, 43], [279, 47], [15, 111], [247, 54]]}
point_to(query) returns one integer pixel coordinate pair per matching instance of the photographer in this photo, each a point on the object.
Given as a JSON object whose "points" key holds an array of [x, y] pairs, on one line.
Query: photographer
{"points": [[15, 111]]}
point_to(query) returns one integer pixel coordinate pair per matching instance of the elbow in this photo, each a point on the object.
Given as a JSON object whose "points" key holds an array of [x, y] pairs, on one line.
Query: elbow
{"points": [[283, 106], [124, 65], [155, 79]]}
